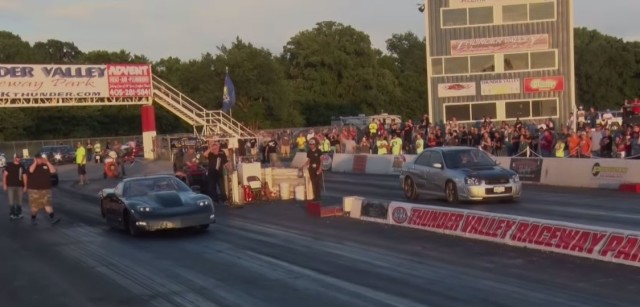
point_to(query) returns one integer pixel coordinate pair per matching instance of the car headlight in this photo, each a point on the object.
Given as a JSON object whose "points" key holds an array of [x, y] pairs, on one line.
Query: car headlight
{"points": [[144, 209], [515, 178], [472, 181], [203, 203], [57, 156]]}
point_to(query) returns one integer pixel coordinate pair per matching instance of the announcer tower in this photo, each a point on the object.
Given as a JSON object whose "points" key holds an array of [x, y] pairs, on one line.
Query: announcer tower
{"points": [[504, 59]]}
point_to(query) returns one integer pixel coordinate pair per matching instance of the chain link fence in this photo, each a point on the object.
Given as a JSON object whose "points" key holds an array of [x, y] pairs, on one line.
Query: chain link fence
{"points": [[32, 147]]}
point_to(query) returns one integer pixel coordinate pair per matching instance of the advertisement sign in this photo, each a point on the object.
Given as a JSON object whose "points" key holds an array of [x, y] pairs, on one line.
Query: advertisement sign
{"points": [[374, 210], [608, 173], [493, 45], [75, 81], [529, 169], [456, 89], [471, 3], [544, 84], [579, 240], [500, 87]]}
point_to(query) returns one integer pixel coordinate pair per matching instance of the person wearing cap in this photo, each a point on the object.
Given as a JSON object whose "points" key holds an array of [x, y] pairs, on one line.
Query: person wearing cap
{"points": [[14, 182], [217, 163], [39, 188], [315, 167]]}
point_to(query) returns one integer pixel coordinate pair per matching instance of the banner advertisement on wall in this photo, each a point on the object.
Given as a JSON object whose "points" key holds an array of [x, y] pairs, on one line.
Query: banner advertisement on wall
{"points": [[528, 169], [19, 81], [456, 89], [494, 45], [374, 210], [500, 87], [544, 84]]}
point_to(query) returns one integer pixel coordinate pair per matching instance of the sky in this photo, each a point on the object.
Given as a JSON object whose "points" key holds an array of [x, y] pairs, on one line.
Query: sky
{"points": [[188, 28]]}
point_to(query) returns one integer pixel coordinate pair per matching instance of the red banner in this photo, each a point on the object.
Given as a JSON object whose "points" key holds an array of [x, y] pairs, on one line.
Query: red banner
{"points": [[544, 84], [129, 80]]}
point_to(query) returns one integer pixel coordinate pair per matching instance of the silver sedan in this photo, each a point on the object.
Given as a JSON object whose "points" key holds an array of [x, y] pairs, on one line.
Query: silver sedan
{"points": [[458, 173]]}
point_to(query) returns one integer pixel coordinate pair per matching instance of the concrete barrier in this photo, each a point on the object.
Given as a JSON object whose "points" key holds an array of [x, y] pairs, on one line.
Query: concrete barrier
{"points": [[605, 244], [584, 173]]}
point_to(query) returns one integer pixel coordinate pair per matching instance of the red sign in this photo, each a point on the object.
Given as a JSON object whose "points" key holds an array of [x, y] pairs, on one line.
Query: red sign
{"points": [[579, 240], [129, 80], [544, 84], [493, 45]]}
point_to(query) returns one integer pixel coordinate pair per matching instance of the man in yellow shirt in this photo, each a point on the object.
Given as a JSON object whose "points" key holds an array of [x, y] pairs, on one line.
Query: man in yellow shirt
{"points": [[301, 142], [419, 144], [396, 145], [382, 145], [81, 161], [373, 128]]}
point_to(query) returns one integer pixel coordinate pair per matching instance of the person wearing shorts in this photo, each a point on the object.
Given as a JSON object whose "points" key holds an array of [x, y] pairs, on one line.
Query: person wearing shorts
{"points": [[81, 161], [14, 180], [39, 189]]}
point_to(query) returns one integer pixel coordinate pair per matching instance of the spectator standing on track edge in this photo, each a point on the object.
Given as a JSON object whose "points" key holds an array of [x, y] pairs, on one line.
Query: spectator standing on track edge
{"points": [[14, 182], [39, 189], [217, 163], [81, 161], [315, 167]]}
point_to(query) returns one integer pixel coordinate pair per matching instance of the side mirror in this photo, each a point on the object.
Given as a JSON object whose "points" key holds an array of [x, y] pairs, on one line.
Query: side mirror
{"points": [[196, 189], [437, 165]]}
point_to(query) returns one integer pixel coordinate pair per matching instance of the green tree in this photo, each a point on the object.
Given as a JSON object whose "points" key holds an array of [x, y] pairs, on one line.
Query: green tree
{"points": [[332, 69], [56, 52]]}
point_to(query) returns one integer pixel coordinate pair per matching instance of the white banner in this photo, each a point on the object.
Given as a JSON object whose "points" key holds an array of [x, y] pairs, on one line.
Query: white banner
{"points": [[456, 89], [500, 87], [471, 3], [18, 81]]}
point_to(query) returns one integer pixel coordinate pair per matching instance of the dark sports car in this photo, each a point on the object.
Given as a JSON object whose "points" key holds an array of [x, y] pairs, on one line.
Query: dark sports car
{"points": [[155, 203], [26, 162]]}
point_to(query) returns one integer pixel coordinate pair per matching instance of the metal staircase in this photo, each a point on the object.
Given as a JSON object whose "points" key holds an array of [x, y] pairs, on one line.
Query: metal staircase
{"points": [[209, 122]]}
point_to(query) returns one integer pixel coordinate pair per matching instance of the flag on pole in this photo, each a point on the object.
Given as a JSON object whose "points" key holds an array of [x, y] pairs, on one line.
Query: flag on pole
{"points": [[228, 94]]}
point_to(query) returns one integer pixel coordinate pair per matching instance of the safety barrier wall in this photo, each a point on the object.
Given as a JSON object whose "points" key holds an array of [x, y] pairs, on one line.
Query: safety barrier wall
{"points": [[606, 244], [586, 173]]}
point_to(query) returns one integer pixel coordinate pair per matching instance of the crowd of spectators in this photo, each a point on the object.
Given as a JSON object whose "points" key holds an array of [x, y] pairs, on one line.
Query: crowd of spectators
{"points": [[589, 134]]}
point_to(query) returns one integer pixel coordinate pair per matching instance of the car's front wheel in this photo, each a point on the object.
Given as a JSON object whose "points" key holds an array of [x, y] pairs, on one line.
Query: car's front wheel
{"points": [[451, 192], [203, 227], [409, 188], [132, 228]]}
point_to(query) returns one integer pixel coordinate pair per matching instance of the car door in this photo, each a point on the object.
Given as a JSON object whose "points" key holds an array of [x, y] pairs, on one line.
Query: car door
{"points": [[418, 171], [437, 178]]}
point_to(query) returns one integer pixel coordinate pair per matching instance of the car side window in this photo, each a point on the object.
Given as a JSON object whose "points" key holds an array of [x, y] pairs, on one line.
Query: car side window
{"points": [[435, 157], [423, 159]]}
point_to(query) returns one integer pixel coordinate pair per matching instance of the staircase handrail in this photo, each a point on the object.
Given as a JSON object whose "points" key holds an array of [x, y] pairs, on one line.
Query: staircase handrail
{"points": [[176, 96], [228, 121]]}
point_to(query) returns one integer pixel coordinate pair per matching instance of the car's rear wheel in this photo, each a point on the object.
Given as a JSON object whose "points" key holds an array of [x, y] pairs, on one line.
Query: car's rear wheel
{"points": [[451, 192], [409, 188]]}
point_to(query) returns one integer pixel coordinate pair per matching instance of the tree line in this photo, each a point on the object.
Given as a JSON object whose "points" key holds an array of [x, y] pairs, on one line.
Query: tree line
{"points": [[329, 70]]}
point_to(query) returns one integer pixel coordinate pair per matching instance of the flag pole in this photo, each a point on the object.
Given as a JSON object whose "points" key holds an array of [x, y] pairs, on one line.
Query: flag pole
{"points": [[226, 68]]}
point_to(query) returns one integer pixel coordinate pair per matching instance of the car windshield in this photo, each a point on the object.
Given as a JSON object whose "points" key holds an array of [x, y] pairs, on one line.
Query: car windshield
{"points": [[464, 158], [144, 186]]}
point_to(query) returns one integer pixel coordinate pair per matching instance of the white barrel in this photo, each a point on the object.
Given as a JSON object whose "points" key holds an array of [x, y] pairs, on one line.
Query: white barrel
{"points": [[285, 192], [299, 191]]}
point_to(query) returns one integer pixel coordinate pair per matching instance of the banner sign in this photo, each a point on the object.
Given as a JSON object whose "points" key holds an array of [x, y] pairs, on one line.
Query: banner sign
{"points": [[544, 84], [75, 81], [456, 89], [528, 169], [579, 240], [471, 3], [500, 87], [493, 45], [374, 210]]}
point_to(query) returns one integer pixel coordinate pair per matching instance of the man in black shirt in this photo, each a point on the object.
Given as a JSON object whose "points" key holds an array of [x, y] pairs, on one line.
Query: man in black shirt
{"points": [[39, 188], [14, 182], [217, 163], [315, 167]]}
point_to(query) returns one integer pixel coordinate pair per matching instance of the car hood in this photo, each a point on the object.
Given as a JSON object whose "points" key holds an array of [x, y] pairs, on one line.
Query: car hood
{"points": [[487, 172], [169, 199]]}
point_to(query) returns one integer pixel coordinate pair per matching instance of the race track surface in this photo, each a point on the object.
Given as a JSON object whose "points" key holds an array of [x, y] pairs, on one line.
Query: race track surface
{"points": [[594, 207], [276, 255]]}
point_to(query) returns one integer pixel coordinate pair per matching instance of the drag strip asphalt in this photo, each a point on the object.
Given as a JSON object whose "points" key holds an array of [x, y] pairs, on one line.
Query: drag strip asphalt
{"points": [[593, 207], [274, 254]]}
